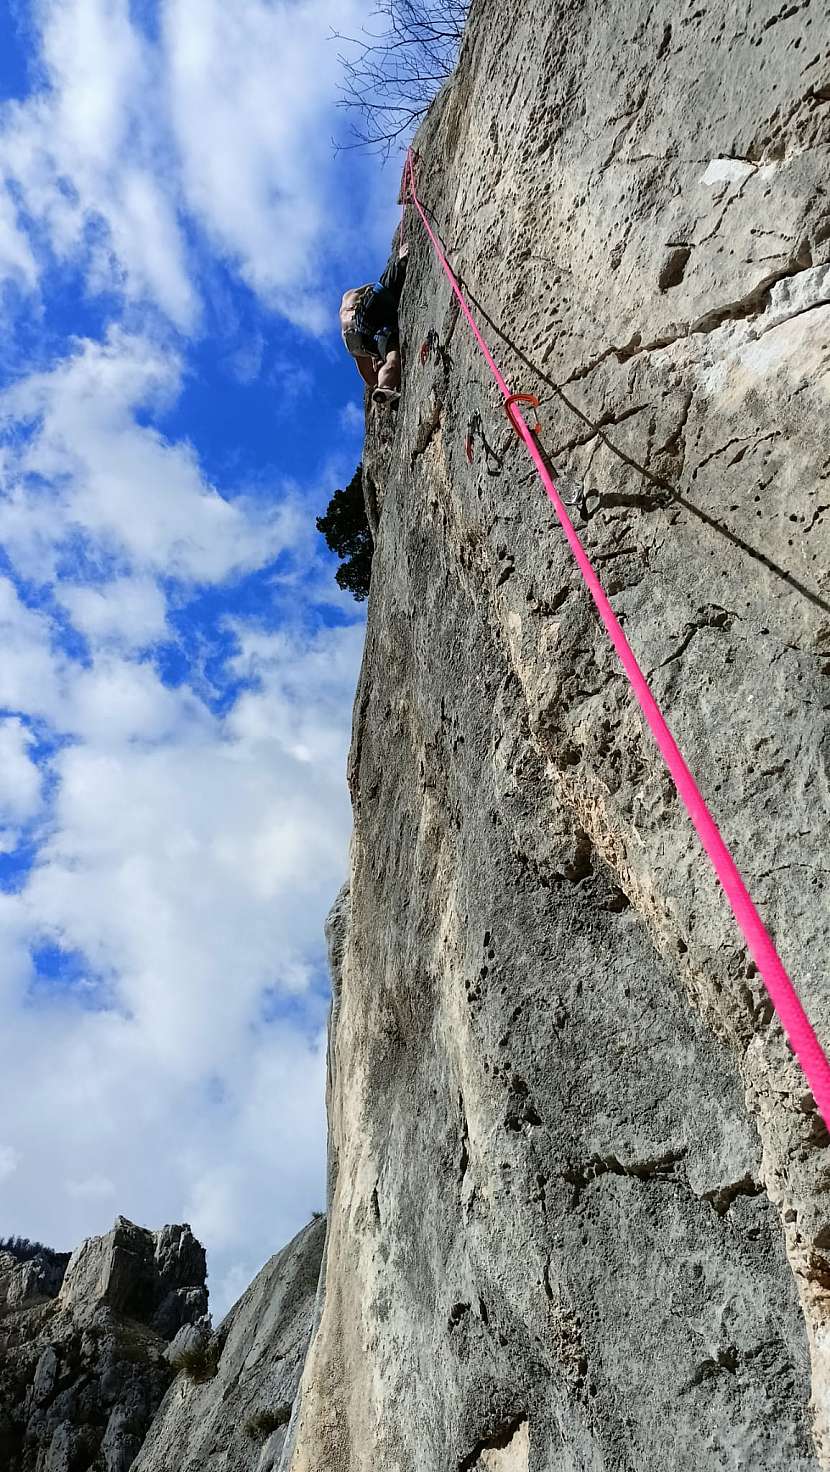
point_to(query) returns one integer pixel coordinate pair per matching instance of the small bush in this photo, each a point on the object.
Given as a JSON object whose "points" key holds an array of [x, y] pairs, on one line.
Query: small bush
{"points": [[347, 533], [201, 1362], [260, 1427]]}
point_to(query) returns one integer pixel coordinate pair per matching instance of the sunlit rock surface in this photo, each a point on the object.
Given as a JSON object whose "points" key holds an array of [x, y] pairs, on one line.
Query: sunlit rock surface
{"points": [[579, 1214], [236, 1420]]}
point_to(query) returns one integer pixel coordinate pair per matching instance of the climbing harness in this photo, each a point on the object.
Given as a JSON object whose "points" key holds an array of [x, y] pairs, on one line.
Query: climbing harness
{"points": [[782, 992]]}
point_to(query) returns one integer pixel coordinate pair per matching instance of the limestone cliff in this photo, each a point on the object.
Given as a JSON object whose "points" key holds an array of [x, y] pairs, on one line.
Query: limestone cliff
{"points": [[579, 1208], [579, 1193]]}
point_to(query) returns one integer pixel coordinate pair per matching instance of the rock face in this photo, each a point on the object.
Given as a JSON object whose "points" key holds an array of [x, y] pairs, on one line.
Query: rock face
{"points": [[83, 1346], [236, 1420], [579, 1204], [35, 1278], [158, 1277]]}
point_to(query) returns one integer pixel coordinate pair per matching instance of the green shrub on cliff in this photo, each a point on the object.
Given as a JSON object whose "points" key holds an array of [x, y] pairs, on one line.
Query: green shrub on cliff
{"points": [[347, 533], [200, 1362]]}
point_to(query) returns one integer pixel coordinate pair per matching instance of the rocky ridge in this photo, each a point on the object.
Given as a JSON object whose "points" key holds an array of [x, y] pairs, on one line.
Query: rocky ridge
{"points": [[84, 1344], [109, 1361], [236, 1420]]}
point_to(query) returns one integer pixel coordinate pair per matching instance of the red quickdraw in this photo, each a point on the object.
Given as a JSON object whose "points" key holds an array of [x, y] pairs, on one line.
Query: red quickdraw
{"points": [[431, 344], [521, 399]]}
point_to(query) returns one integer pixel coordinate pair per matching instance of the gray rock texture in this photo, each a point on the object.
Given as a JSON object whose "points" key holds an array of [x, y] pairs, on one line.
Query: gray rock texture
{"points": [[35, 1278], [158, 1277], [236, 1420], [580, 1194], [83, 1365]]}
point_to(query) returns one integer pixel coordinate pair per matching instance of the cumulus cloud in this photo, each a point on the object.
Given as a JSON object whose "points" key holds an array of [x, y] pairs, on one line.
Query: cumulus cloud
{"points": [[218, 123], [173, 813], [88, 471], [17, 260], [31, 672], [20, 781], [256, 174], [186, 847], [129, 612], [189, 860], [88, 152]]}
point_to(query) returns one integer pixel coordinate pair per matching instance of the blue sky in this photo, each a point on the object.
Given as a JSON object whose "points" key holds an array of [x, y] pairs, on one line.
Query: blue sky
{"points": [[177, 664]]}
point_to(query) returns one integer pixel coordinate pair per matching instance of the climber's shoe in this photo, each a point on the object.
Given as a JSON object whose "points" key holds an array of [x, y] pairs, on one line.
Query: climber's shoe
{"points": [[385, 395]]}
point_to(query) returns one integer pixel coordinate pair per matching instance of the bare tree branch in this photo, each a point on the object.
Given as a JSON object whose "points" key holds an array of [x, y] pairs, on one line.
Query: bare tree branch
{"points": [[394, 70]]}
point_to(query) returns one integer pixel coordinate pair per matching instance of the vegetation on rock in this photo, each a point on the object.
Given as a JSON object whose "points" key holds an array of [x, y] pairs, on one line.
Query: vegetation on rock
{"points": [[200, 1362], [347, 533], [24, 1249]]}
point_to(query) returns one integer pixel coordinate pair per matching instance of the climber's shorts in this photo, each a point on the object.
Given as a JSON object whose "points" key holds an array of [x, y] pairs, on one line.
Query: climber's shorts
{"points": [[377, 344], [387, 341]]}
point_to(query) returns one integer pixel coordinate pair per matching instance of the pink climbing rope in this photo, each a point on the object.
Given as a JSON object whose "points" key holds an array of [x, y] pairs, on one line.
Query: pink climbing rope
{"points": [[782, 993]]}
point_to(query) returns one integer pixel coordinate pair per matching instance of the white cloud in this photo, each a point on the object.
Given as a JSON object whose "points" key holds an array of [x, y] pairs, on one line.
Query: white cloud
{"points": [[89, 149], [9, 1161], [20, 782], [129, 613], [31, 674], [16, 258], [117, 701], [89, 469], [352, 418], [251, 89], [19, 775]]}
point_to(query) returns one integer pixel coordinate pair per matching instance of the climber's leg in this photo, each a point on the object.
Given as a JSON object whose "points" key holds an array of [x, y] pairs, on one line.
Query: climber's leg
{"points": [[389, 376], [367, 369]]}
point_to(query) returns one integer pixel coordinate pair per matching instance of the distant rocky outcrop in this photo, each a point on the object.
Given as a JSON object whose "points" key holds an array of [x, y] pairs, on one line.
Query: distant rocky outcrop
{"points": [[36, 1277], [230, 1412], [84, 1342], [108, 1360], [157, 1277]]}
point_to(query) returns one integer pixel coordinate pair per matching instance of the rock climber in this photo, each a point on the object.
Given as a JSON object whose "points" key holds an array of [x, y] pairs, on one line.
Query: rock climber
{"points": [[369, 328]]}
